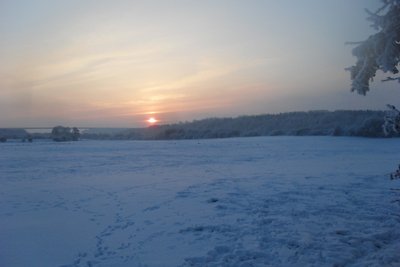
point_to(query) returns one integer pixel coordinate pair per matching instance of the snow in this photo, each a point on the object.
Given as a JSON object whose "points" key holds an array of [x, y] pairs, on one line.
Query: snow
{"points": [[265, 201]]}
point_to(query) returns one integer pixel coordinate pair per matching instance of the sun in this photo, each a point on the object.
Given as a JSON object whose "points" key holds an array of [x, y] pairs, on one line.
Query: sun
{"points": [[152, 120]]}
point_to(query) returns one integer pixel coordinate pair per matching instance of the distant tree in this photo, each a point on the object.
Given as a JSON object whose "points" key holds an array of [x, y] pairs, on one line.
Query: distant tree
{"points": [[75, 134], [338, 131], [395, 174], [62, 134], [372, 127], [392, 121]]}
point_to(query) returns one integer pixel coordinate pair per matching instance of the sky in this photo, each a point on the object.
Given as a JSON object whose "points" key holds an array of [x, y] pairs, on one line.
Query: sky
{"points": [[97, 63]]}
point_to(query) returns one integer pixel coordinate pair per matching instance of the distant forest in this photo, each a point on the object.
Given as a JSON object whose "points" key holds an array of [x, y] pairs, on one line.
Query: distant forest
{"points": [[336, 123], [333, 123]]}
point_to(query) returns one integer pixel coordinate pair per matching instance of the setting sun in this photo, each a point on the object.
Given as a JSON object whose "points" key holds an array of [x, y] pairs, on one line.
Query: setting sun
{"points": [[152, 120]]}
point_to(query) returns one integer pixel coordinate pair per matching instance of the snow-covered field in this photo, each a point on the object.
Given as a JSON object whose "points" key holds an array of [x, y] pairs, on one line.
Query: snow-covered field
{"points": [[267, 201]]}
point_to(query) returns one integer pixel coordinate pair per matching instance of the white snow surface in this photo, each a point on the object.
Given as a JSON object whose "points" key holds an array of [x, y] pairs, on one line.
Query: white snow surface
{"points": [[265, 201]]}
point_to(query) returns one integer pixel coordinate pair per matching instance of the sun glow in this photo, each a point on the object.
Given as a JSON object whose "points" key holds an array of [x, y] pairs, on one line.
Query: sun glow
{"points": [[152, 120]]}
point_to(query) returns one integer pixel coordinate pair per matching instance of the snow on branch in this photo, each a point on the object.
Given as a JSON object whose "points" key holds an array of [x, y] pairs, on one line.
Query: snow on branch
{"points": [[381, 51]]}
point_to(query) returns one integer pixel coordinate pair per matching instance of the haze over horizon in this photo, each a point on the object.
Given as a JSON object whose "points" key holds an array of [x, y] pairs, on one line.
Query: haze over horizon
{"points": [[118, 63]]}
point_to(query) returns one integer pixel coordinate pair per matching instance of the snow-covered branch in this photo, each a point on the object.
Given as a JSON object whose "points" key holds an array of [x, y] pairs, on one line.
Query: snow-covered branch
{"points": [[381, 51]]}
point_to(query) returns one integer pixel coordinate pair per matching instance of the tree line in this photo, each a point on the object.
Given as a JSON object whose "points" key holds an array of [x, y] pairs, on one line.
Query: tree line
{"points": [[336, 123]]}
